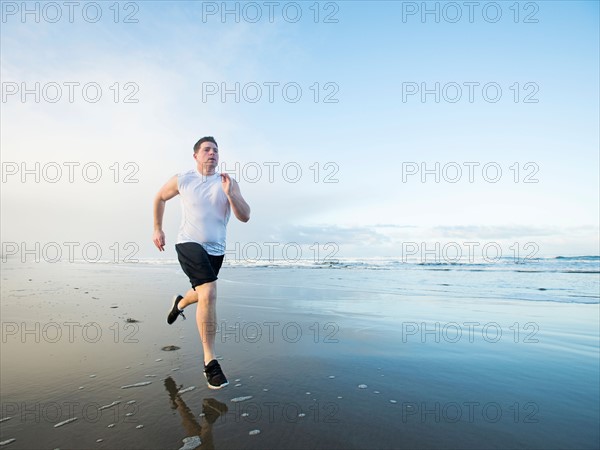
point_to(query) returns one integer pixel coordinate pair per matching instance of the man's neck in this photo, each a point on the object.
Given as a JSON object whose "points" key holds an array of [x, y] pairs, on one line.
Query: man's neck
{"points": [[206, 171]]}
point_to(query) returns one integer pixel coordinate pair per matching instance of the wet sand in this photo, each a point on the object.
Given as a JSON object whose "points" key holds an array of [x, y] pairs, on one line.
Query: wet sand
{"points": [[315, 358]]}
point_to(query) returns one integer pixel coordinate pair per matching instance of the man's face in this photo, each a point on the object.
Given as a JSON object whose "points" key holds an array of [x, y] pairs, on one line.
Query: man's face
{"points": [[207, 155]]}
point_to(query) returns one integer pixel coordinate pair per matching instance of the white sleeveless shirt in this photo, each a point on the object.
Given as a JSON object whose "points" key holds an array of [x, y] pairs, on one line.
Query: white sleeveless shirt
{"points": [[205, 211]]}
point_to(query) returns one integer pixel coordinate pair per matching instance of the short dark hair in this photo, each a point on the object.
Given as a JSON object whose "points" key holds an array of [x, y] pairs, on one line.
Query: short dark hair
{"points": [[204, 139]]}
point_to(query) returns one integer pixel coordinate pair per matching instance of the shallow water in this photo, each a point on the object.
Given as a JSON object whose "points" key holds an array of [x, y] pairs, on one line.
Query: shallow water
{"points": [[450, 358]]}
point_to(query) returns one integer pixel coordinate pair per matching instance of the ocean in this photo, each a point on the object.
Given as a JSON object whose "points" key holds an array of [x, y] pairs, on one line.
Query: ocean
{"points": [[351, 353]]}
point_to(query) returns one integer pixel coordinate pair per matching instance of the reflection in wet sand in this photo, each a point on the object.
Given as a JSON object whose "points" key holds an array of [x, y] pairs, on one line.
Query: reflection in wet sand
{"points": [[211, 410]]}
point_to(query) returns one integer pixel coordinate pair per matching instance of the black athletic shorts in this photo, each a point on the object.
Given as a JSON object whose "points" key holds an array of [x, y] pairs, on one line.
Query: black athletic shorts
{"points": [[198, 265]]}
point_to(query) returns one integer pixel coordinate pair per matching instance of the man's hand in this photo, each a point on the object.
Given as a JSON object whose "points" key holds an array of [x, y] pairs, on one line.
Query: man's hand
{"points": [[167, 192], [159, 240], [228, 184], [234, 194]]}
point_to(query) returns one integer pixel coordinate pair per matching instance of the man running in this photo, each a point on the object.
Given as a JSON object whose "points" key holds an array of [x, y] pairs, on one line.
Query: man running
{"points": [[207, 198]]}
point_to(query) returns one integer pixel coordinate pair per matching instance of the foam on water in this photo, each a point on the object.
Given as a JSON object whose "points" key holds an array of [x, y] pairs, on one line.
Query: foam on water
{"points": [[115, 403], [188, 389], [190, 443], [241, 399], [383, 263], [64, 422], [140, 384]]}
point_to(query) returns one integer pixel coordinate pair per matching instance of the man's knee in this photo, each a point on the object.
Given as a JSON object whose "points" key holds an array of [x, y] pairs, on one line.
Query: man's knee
{"points": [[207, 291]]}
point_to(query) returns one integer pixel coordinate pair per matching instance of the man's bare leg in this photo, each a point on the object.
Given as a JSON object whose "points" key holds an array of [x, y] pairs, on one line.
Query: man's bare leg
{"points": [[205, 296], [206, 317], [190, 298]]}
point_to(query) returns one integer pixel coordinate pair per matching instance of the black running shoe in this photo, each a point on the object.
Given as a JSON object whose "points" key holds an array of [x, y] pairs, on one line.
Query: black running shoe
{"points": [[175, 311], [214, 375]]}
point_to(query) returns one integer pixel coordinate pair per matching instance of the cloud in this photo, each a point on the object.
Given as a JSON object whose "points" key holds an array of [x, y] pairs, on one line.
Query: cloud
{"points": [[392, 239], [303, 234], [494, 232]]}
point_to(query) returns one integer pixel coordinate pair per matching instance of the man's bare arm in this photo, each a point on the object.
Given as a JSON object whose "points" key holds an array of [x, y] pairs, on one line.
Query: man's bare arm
{"points": [[167, 192], [240, 208]]}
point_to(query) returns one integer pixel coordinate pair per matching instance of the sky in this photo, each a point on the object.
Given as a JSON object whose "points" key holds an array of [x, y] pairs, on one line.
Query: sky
{"points": [[355, 129]]}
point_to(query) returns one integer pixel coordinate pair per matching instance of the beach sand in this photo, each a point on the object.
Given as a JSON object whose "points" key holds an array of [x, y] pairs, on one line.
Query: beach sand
{"points": [[316, 358]]}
